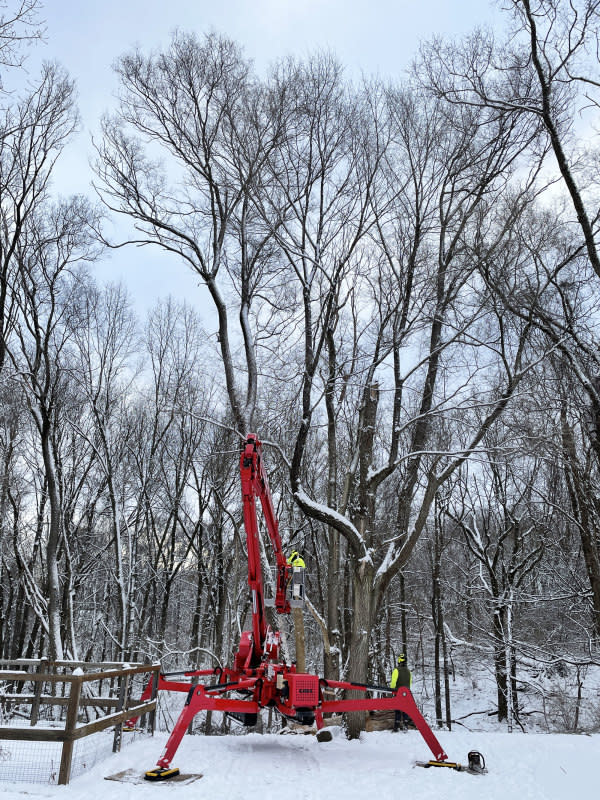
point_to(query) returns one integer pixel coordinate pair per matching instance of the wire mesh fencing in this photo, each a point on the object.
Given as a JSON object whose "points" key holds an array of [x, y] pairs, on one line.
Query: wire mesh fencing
{"points": [[59, 719], [33, 762]]}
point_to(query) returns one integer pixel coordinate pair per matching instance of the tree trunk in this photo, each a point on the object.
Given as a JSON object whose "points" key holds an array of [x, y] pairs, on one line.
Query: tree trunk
{"points": [[510, 682], [579, 495], [332, 656], [359, 645], [448, 709], [54, 594], [403, 613], [500, 661], [437, 671]]}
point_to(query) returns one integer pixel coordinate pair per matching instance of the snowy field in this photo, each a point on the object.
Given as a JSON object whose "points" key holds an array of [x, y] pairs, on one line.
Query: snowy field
{"points": [[380, 766]]}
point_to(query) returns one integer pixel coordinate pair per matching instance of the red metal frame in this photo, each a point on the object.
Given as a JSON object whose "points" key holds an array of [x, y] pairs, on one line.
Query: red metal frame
{"points": [[258, 674]]}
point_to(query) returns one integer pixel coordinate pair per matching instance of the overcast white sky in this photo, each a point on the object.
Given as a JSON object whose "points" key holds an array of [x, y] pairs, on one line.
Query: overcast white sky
{"points": [[370, 36]]}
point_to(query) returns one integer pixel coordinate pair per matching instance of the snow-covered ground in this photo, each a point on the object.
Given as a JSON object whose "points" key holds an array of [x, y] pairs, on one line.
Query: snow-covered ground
{"points": [[537, 765], [379, 765]]}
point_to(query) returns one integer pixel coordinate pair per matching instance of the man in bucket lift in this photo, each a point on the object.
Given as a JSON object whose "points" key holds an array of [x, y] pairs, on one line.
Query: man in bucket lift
{"points": [[298, 566]]}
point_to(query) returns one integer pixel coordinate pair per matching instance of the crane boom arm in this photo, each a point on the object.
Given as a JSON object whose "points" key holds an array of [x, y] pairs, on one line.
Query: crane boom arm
{"points": [[255, 484]]}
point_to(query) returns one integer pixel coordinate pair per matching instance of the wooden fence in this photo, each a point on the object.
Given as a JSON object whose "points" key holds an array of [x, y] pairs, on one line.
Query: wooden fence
{"points": [[18, 676]]}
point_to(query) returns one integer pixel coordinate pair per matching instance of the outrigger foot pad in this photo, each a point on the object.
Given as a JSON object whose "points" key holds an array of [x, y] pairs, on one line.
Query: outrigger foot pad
{"points": [[324, 736], [161, 773], [476, 765]]}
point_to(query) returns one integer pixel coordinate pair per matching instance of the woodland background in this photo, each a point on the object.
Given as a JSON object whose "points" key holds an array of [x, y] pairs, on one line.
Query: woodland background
{"points": [[405, 278]]}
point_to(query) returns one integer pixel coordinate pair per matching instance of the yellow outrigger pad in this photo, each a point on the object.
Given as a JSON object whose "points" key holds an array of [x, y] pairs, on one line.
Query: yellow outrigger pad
{"points": [[472, 769], [161, 773], [137, 777]]}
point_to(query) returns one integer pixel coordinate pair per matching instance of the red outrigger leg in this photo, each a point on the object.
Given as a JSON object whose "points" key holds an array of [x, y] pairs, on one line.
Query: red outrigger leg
{"points": [[401, 701], [199, 700]]}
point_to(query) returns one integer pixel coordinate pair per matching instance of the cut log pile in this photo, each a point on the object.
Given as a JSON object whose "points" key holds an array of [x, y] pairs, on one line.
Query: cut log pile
{"points": [[379, 721]]}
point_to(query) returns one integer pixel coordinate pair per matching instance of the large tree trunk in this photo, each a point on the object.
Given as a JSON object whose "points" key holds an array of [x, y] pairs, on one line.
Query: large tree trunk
{"points": [[54, 592], [500, 661], [362, 622], [581, 498], [332, 653]]}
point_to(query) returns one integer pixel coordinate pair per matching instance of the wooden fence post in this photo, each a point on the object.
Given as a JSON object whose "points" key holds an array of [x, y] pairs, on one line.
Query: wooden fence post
{"points": [[123, 698], [152, 714], [190, 728], [37, 693], [70, 725]]}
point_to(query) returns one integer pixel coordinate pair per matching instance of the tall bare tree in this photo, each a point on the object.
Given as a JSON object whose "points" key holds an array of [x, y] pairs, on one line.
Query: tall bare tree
{"points": [[199, 103], [54, 241], [33, 132]]}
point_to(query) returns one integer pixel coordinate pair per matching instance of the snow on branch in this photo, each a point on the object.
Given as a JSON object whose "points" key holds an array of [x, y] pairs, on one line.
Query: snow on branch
{"points": [[330, 516]]}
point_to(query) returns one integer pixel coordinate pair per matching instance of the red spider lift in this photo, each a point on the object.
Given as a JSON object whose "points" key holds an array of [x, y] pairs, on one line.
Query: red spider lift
{"points": [[258, 678]]}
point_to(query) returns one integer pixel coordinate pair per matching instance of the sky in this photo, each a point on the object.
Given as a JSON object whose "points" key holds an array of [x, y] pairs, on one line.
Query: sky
{"points": [[374, 37]]}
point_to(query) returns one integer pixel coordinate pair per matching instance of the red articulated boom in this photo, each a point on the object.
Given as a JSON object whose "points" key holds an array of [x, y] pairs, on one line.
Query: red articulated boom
{"points": [[258, 678]]}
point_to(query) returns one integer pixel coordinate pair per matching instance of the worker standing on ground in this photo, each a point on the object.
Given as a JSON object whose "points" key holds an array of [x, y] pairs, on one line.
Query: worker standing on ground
{"points": [[401, 676]]}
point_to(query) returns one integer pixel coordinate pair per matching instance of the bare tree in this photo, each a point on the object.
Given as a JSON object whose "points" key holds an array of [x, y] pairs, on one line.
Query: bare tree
{"points": [[19, 25], [199, 104], [33, 133], [546, 72], [52, 243], [426, 268], [495, 516], [105, 343], [172, 428]]}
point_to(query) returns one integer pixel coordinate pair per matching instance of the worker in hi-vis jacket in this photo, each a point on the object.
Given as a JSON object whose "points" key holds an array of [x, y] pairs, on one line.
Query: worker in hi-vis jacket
{"points": [[401, 676], [298, 566]]}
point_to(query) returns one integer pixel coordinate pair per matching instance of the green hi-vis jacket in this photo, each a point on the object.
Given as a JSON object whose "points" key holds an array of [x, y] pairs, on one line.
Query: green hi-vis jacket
{"points": [[401, 676], [296, 560]]}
